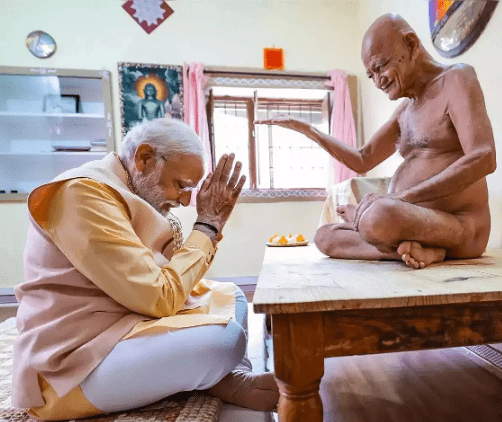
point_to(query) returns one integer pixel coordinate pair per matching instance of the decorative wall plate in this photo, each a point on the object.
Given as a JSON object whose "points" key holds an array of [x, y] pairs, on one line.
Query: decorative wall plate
{"points": [[40, 44], [456, 25]]}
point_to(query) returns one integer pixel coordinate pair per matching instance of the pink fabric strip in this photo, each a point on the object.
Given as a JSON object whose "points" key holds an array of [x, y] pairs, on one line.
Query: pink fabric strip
{"points": [[342, 120], [195, 82], [186, 100]]}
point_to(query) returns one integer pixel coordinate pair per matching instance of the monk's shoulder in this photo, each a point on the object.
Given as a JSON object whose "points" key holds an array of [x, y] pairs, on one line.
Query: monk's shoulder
{"points": [[458, 75]]}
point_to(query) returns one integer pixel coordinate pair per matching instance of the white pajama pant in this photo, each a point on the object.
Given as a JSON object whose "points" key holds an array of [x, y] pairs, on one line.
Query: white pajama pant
{"points": [[143, 370]]}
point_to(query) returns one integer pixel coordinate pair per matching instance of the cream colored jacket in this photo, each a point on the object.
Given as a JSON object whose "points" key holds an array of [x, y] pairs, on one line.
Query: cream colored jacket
{"points": [[91, 281]]}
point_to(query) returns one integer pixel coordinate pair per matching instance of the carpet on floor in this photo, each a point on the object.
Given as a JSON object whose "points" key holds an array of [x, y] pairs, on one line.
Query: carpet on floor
{"points": [[182, 407]]}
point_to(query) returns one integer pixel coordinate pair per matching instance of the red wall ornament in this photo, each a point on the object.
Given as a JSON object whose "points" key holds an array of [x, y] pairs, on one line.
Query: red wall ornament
{"points": [[273, 58], [149, 14]]}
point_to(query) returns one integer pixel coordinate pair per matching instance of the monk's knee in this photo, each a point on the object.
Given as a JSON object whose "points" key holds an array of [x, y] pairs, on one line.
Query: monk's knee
{"points": [[474, 250], [378, 223], [323, 239]]}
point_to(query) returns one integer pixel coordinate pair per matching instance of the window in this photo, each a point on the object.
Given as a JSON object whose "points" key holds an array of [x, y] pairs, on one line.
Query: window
{"points": [[274, 159]]}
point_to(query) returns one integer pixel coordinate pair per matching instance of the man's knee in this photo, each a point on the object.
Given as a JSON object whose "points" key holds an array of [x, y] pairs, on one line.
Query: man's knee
{"points": [[233, 344], [238, 292], [241, 307], [224, 353], [221, 348]]}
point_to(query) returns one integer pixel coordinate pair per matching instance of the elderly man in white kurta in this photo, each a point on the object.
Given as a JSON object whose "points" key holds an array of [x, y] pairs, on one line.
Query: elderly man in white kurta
{"points": [[114, 312]]}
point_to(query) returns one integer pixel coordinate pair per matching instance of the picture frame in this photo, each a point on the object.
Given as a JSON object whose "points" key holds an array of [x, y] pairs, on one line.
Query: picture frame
{"points": [[64, 103], [149, 91]]}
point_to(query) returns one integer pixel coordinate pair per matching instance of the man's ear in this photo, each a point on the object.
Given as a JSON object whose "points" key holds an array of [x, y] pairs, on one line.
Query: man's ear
{"points": [[144, 158], [412, 44]]}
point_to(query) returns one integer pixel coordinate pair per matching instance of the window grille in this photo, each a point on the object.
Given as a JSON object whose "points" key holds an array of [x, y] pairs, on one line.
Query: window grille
{"points": [[278, 162]]}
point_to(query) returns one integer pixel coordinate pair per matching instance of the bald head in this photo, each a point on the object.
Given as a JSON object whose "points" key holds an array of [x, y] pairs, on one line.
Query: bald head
{"points": [[393, 56], [392, 21], [387, 29]]}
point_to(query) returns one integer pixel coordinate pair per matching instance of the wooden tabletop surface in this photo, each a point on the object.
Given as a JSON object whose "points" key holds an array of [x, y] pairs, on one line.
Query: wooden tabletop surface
{"points": [[301, 279]]}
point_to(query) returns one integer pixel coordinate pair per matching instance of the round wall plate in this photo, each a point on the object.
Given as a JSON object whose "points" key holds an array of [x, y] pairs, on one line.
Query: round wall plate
{"points": [[41, 44], [461, 25]]}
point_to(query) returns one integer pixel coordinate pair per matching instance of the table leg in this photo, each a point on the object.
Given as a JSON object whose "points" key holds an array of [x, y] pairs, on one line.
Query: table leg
{"points": [[299, 365]]}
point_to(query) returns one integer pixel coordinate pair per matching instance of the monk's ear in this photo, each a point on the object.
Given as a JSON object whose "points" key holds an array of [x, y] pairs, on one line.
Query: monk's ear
{"points": [[412, 44], [144, 158]]}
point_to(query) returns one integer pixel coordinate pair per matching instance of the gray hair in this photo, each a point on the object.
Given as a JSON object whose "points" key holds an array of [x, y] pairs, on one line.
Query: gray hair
{"points": [[167, 136]]}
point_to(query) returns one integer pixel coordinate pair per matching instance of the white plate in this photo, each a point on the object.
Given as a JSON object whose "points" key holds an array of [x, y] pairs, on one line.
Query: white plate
{"points": [[304, 243]]}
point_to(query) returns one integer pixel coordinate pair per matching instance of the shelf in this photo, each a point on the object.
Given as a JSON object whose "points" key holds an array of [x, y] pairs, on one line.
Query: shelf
{"points": [[52, 115], [54, 127], [13, 197], [28, 135], [56, 153]]}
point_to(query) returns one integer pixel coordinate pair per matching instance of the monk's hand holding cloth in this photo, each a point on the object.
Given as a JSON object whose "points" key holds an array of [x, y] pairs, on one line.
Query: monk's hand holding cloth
{"points": [[218, 194]]}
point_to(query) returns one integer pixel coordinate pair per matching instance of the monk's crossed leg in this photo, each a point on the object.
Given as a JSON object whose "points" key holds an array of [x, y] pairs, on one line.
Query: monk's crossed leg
{"points": [[393, 229]]}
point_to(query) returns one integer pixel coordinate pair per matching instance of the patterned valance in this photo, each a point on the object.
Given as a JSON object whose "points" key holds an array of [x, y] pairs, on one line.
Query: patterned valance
{"points": [[277, 195], [266, 82]]}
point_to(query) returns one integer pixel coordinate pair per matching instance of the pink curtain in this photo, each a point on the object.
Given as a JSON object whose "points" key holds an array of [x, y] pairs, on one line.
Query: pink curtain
{"points": [[194, 82], [342, 120]]}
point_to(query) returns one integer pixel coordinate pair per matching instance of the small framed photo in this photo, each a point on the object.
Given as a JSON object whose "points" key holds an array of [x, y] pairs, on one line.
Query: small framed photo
{"points": [[64, 103], [149, 91]]}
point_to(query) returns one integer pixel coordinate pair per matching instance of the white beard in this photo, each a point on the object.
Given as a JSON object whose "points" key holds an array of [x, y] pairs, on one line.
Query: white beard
{"points": [[147, 188]]}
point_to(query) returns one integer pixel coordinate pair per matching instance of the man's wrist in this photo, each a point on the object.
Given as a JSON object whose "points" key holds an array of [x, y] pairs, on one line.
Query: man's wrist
{"points": [[209, 226], [209, 232], [210, 219]]}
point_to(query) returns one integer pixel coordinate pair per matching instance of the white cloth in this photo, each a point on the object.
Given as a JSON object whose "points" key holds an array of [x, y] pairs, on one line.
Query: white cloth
{"points": [[350, 191], [145, 369]]}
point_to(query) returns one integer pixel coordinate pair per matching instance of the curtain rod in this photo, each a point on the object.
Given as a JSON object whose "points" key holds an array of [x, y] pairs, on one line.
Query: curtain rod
{"points": [[244, 73]]}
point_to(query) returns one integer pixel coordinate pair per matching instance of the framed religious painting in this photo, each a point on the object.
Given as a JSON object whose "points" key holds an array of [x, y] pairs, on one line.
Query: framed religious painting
{"points": [[456, 24], [149, 91]]}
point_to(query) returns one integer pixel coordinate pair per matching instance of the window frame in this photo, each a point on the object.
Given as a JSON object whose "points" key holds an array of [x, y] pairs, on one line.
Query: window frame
{"points": [[255, 194]]}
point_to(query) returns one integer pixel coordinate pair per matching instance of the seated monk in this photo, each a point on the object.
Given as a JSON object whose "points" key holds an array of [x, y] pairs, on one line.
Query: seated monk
{"points": [[437, 203], [113, 313]]}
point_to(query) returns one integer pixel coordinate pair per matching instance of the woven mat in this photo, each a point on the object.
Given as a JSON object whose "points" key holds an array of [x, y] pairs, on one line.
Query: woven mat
{"points": [[182, 407]]}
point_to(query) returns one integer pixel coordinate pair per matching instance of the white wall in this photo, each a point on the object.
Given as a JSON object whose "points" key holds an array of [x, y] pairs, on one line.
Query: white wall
{"points": [[249, 228], [316, 36], [486, 57]]}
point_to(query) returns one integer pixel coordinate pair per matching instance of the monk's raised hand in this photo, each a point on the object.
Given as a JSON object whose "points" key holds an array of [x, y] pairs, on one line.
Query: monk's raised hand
{"points": [[219, 192], [287, 122]]}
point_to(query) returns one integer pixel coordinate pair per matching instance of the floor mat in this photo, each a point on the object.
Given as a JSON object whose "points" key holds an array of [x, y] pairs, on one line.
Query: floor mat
{"points": [[182, 407]]}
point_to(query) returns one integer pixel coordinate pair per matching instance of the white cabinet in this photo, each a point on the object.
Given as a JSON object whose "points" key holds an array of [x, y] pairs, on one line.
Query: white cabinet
{"points": [[51, 120]]}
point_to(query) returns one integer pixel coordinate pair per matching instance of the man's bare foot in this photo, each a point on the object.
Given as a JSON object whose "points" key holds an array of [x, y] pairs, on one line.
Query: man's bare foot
{"points": [[248, 389], [416, 256], [346, 212]]}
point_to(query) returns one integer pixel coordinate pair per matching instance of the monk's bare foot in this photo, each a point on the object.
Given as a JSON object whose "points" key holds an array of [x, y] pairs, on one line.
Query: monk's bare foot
{"points": [[346, 212], [416, 256]]}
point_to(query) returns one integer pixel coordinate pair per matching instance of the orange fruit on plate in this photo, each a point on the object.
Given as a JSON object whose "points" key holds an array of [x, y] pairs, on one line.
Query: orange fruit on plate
{"points": [[283, 240]]}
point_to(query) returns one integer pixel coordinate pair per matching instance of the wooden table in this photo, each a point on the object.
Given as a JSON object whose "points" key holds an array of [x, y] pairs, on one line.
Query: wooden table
{"points": [[323, 307]]}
